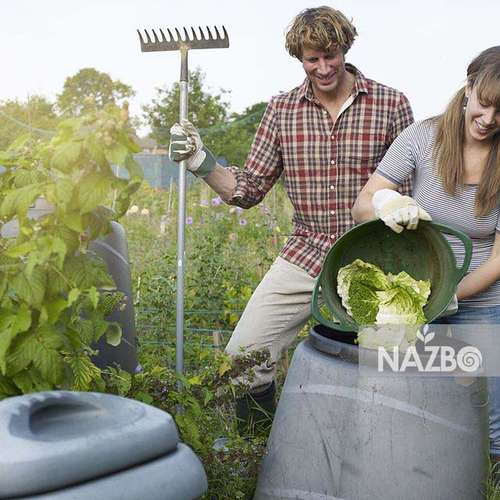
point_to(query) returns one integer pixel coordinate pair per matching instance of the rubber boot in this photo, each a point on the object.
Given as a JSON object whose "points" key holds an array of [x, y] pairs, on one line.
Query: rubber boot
{"points": [[255, 411]]}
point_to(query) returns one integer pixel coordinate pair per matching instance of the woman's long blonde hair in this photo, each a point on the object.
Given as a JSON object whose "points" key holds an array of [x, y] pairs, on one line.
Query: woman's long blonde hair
{"points": [[483, 74]]}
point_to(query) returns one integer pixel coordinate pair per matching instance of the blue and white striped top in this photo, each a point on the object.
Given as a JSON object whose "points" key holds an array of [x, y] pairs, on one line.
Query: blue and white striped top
{"points": [[411, 154]]}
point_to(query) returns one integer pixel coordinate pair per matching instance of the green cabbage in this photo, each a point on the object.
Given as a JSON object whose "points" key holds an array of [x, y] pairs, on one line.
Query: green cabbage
{"points": [[372, 297]]}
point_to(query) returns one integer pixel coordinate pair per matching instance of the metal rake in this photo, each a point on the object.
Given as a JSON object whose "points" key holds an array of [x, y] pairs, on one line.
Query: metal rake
{"points": [[189, 41]]}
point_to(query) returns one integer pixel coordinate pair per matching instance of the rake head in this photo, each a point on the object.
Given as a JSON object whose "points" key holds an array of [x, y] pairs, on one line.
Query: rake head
{"points": [[187, 41]]}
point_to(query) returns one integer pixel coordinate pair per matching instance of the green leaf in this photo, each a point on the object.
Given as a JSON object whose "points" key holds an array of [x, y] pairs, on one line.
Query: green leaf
{"points": [[22, 352], [100, 326], [93, 190], [93, 295], [86, 331], [30, 381], [84, 371], [47, 358], [196, 380], [11, 324], [65, 156], [7, 388], [30, 289], [21, 249], [143, 397], [18, 201], [84, 272], [116, 154], [21, 141], [64, 191], [114, 334], [73, 220], [134, 169], [73, 296], [224, 367], [54, 309]]}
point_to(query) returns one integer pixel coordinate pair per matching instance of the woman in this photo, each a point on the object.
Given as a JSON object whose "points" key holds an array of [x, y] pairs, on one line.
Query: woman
{"points": [[454, 160]]}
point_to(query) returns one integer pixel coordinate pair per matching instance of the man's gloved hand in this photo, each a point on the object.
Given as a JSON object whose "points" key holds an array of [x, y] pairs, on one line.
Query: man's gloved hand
{"points": [[186, 144], [398, 211]]}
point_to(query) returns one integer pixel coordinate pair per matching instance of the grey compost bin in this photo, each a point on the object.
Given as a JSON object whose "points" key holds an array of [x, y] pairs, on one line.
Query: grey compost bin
{"points": [[113, 250], [340, 433], [88, 446]]}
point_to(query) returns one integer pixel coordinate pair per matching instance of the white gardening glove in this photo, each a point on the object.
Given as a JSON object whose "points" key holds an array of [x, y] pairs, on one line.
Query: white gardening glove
{"points": [[186, 144], [397, 211]]}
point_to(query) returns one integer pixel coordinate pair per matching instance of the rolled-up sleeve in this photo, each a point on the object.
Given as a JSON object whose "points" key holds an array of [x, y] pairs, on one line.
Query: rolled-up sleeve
{"points": [[264, 163]]}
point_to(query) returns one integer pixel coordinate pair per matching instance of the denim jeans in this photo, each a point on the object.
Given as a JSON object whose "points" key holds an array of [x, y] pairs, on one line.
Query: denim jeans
{"points": [[477, 316]]}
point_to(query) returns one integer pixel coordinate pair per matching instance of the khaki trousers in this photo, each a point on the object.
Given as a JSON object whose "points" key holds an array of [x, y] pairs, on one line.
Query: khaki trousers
{"points": [[276, 312]]}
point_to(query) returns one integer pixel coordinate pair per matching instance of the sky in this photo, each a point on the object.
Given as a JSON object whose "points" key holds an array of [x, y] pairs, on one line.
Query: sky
{"points": [[421, 47]]}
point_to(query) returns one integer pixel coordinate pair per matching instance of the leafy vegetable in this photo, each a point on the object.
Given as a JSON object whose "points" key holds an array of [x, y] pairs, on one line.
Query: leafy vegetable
{"points": [[372, 297]]}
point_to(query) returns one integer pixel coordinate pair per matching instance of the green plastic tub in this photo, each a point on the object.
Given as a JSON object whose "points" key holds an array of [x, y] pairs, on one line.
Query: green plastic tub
{"points": [[424, 253]]}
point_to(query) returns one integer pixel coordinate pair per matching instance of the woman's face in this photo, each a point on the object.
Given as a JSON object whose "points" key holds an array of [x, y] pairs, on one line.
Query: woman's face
{"points": [[482, 120]]}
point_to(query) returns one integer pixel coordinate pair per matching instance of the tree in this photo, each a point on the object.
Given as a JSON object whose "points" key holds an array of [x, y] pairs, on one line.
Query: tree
{"points": [[37, 115], [90, 89], [233, 139], [205, 109], [227, 135]]}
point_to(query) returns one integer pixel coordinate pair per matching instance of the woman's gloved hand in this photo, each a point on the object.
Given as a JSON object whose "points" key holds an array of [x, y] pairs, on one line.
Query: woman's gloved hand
{"points": [[186, 144], [397, 211]]}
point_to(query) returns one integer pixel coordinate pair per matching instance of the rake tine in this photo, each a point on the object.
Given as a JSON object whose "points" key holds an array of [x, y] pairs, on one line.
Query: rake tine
{"points": [[194, 34], [217, 32], [163, 37], [210, 37], [186, 35], [156, 39], [148, 38], [140, 37], [179, 38], [202, 35], [225, 32], [170, 35]]}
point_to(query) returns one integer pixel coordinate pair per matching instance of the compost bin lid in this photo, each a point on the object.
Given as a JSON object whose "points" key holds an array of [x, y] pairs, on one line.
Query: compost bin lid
{"points": [[55, 439], [334, 342]]}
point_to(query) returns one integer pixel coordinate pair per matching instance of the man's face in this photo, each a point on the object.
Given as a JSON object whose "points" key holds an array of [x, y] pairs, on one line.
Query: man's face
{"points": [[326, 70]]}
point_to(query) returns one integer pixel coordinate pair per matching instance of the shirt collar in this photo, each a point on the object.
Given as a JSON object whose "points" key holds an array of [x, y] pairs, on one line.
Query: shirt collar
{"points": [[360, 84]]}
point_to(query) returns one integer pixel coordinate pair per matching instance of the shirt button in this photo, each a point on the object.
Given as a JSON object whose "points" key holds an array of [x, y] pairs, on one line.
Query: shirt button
{"points": [[332, 187], [333, 137], [332, 212], [333, 236], [333, 162], [325, 111]]}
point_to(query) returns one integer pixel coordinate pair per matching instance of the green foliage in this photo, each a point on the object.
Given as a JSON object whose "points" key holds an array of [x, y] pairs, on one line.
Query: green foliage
{"points": [[226, 247], [17, 118], [233, 138], [228, 136], [90, 89], [205, 109], [201, 402], [54, 292]]}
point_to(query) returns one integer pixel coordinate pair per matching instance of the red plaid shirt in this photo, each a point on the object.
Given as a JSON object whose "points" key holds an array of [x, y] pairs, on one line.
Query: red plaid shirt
{"points": [[324, 165]]}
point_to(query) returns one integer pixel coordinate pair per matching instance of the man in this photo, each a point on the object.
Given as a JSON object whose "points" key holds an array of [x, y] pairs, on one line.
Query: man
{"points": [[326, 137]]}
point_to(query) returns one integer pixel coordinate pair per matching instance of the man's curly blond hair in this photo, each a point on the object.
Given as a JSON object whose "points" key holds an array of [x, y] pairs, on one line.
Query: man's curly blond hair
{"points": [[319, 28]]}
